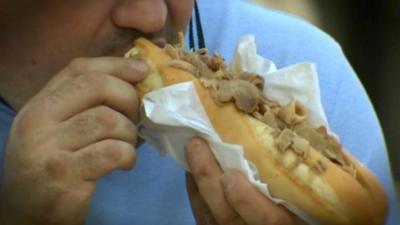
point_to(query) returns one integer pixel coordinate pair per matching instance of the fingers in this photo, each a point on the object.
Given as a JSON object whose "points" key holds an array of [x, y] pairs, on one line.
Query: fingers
{"points": [[201, 212], [91, 90], [253, 207], [88, 82], [229, 197], [94, 125], [206, 173], [129, 70], [102, 157]]}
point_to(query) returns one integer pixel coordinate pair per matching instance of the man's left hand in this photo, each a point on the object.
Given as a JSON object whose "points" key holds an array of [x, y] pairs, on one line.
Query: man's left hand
{"points": [[228, 198]]}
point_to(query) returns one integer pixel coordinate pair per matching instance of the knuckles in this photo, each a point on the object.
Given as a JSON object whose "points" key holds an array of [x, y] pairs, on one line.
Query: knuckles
{"points": [[56, 164], [106, 118], [105, 121], [91, 81], [78, 65], [200, 171], [101, 118], [114, 152], [85, 78], [29, 129]]}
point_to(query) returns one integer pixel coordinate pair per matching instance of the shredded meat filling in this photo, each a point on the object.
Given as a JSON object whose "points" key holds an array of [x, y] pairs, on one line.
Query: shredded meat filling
{"points": [[253, 78], [215, 63], [268, 118], [291, 130], [203, 70], [285, 140], [322, 141], [293, 113], [244, 94], [289, 140]]}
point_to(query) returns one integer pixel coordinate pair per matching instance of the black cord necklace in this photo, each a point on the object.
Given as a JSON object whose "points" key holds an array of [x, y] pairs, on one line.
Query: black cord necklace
{"points": [[199, 30]]}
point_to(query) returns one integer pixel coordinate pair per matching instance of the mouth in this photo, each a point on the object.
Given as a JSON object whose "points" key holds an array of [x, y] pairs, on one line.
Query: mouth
{"points": [[120, 41]]}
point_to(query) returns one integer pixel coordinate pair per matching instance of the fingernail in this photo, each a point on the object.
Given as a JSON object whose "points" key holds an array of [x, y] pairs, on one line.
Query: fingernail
{"points": [[140, 65], [228, 181]]}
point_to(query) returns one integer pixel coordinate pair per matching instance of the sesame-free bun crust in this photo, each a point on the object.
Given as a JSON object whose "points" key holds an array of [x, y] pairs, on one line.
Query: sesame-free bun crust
{"points": [[332, 197]]}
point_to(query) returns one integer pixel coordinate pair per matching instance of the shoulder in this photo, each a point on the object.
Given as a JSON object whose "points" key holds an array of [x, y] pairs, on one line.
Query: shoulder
{"points": [[284, 38]]}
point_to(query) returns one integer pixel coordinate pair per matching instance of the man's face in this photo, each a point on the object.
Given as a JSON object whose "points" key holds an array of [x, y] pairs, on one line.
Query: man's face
{"points": [[40, 37]]}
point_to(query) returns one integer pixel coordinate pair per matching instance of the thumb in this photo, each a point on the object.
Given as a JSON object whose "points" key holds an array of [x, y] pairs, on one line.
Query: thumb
{"points": [[201, 212]]}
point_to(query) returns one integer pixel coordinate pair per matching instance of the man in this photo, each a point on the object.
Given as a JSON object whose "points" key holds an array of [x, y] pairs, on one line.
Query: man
{"points": [[75, 118]]}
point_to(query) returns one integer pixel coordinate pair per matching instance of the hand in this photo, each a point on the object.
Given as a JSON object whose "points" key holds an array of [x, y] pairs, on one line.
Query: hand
{"points": [[219, 198], [79, 127]]}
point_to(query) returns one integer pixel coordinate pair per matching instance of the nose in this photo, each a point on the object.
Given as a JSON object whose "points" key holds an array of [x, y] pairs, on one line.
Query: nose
{"points": [[147, 16]]}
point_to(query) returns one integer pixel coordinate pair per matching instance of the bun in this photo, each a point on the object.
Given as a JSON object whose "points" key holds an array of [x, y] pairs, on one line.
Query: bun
{"points": [[329, 185]]}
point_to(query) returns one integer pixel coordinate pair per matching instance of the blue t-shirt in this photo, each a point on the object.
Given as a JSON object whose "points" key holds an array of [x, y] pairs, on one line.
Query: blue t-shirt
{"points": [[154, 191]]}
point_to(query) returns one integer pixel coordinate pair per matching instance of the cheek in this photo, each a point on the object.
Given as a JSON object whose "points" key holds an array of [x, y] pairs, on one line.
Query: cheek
{"points": [[51, 35], [180, 12], [65, 31]]}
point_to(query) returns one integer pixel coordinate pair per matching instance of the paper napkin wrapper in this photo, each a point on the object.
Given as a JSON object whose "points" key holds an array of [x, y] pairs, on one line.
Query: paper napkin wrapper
{"points": [[171, 116]]}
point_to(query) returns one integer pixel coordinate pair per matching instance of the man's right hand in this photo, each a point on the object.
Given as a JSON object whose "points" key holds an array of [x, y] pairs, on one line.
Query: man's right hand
{"points": [[79, 127]]}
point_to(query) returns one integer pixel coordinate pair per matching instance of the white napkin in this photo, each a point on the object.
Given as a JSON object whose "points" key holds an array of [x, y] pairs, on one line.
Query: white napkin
{"points": [[296, 82], [174, 114]]}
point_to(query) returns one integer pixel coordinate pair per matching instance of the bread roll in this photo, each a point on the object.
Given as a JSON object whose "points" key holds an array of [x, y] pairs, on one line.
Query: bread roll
{"points": [[295, 160]]}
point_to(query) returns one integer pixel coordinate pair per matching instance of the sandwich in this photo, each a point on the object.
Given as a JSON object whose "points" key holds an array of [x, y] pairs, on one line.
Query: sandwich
{"points": [[303, 165]]}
